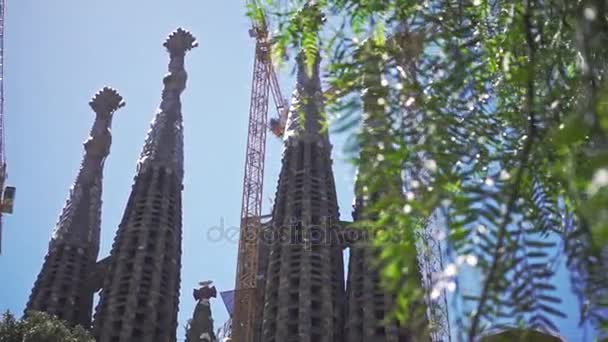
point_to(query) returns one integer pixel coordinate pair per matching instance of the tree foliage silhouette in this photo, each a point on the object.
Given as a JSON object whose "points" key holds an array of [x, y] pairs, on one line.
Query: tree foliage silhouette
{"points": [[498, 120], [40, 327]]}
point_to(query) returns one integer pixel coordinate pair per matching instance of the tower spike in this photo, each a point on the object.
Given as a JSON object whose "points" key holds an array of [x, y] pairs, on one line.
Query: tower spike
{"points": [[164, 143], [306, 118], [62, 287], [304, 293], [140, 291]]}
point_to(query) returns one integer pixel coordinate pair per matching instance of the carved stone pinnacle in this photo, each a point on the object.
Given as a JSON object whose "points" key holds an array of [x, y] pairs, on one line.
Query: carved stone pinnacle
{"points": [[180, 41], [106, 101]]}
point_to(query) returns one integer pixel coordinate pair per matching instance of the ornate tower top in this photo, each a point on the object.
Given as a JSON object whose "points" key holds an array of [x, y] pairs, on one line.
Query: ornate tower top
{"points": [[180, 41], [164, 144], [82, 201], [106, 101]]}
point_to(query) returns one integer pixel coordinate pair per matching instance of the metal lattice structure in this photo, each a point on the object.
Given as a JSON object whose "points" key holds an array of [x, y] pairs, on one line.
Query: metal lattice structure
{"points": [[264, 83], [225, 331], [431, 265], [2, 154]]}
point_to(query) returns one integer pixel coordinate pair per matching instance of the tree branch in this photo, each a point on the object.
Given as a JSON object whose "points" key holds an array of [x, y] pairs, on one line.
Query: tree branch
{"points": [[524, 157]]}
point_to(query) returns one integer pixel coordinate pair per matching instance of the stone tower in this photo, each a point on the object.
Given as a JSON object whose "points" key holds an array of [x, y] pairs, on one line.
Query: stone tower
{"points": [[304, 292], [140, 293], [368, 305], [63, 287]]}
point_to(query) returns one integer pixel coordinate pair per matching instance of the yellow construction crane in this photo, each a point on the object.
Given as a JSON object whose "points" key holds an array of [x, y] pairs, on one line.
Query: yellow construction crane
{"points": [[264, 83]]}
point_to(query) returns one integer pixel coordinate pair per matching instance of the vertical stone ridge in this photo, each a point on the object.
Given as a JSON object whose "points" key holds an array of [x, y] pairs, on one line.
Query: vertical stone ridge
{"points": [[140, 292], [62, 287], [304, 290]]}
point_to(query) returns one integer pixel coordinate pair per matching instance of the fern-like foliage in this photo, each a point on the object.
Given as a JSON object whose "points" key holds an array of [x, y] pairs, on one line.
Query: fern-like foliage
{"points": [[496, 113]]}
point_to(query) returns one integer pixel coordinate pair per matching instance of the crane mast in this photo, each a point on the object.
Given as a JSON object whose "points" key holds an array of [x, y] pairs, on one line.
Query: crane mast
{"points": [[264, 83], [246, 293], [2, 156]]}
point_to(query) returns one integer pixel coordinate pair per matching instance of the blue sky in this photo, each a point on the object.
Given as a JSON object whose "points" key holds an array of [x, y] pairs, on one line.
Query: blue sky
{"points": [[59, 53]]}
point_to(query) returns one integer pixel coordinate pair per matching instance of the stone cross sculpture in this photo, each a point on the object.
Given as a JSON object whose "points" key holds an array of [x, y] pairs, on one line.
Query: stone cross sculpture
{"points": [[201, 324]]}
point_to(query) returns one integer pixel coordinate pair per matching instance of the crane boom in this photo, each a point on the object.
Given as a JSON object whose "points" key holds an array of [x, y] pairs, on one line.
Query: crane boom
{"points": [[264, 82]]}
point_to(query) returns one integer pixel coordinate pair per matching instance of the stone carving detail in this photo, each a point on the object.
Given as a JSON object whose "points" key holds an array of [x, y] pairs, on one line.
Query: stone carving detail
{"points": [[164, 143]]}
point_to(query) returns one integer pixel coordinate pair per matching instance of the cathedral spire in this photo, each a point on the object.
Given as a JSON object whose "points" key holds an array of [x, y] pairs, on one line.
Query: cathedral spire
{"points": [[61, 288], [164, 144], [140, 292], [304, 292], [97, 148]]}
